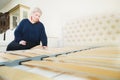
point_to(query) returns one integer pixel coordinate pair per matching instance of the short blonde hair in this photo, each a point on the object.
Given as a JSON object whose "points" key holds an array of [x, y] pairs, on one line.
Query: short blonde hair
{"points": [[36, 9]]}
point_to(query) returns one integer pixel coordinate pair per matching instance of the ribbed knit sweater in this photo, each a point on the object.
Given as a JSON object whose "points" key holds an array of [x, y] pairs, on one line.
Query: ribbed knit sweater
{"points": [[33, 33]]}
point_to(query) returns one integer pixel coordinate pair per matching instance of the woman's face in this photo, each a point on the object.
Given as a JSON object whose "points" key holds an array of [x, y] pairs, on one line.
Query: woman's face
{"points": [[36, 16]]}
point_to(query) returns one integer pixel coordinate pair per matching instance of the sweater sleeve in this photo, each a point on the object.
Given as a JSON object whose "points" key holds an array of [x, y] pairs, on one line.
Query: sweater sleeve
{"points": [[44, 37], [18, 31]]}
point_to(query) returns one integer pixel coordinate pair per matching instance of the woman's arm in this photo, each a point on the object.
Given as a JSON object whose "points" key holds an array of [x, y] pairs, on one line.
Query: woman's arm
{"points": [[18, 31]]}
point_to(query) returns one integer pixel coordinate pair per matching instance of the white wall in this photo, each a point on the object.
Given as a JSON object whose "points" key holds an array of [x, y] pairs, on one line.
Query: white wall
{"points": [[57, 12]]}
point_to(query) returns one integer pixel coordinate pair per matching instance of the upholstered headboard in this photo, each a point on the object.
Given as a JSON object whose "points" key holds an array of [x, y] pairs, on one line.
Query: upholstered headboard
{"points": [[97, 30]]}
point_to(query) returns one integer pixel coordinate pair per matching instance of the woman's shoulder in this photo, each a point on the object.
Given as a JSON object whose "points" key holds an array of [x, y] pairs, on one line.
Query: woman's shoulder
{"points": [[39, 23], [24, 21]]}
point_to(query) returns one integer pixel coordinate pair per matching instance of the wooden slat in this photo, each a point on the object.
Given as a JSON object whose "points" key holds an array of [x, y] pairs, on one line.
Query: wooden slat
{"points": [[26, 54], [59, 50], [40, 47], [98, 53], [102, 60], [55, 50], [105, 57], [76, 69], [10, 56], [39, 51], [108, 48], [8, 73], [3, 59], [109, 63], [105, 50], [48, 51]]}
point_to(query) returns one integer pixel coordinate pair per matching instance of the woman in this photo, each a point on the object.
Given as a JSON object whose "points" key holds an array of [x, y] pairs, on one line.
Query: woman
{"points": [[29, 33]]}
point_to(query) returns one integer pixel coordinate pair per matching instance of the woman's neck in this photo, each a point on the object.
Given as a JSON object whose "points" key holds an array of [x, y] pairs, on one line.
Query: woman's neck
{"points": [[31, 20]]}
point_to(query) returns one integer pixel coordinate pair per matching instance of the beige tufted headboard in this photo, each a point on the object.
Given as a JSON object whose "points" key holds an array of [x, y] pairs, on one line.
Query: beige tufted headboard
{"points": [[97, 30]]}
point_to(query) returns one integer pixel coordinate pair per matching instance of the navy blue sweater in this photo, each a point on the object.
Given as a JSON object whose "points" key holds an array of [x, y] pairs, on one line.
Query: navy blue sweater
{"points": [[33, 33]]}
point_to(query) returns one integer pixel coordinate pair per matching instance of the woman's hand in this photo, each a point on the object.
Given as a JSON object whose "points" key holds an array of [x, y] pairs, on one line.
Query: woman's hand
{"points": [[44, 47], [39, 47], [22, 42]]}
